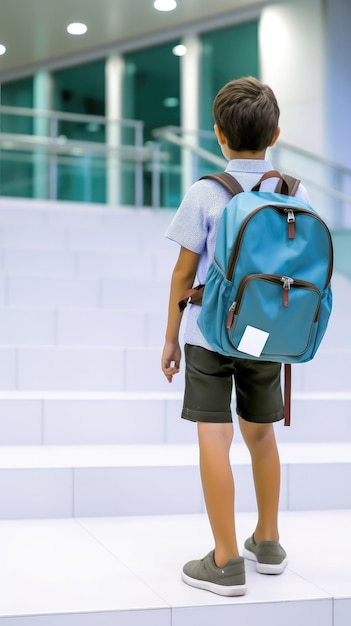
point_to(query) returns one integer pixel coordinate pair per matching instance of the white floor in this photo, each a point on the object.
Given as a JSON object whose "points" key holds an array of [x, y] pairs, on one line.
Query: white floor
{"points": [[126, 571]]}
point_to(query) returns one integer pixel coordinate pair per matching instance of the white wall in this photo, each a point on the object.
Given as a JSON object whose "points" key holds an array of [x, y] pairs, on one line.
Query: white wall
{"points": [[292, 56], [339, 81]]}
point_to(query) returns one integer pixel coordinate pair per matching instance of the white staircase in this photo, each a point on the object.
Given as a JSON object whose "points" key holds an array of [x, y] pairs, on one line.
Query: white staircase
{"points": [[100, 497]]}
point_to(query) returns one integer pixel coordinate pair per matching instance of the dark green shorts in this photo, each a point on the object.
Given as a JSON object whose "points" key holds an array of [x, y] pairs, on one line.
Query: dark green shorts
{"points": [[209, 384]]}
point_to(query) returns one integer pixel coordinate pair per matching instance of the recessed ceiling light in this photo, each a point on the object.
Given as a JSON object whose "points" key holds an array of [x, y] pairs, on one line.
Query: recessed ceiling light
{"points": [[2, 49], [179, 51], [77, 28], [165, 5]]}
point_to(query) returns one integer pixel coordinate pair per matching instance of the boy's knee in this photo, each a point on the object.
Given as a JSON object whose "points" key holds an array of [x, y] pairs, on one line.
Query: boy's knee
{"points": [[253, 432], [215, 432]]}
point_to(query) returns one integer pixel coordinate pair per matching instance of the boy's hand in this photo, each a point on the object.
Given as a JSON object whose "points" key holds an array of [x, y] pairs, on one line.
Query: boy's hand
{"points": [[170, 361]]}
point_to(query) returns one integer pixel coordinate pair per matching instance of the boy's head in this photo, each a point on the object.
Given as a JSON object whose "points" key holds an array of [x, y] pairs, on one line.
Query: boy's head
{"points": [[247, 113]]}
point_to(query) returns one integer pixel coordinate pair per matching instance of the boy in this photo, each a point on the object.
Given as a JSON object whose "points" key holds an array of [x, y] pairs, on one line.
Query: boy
{"points": [[246, 116]]}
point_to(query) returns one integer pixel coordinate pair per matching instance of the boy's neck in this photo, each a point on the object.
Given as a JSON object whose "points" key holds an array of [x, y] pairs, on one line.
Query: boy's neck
{"points": [[260, 155]]}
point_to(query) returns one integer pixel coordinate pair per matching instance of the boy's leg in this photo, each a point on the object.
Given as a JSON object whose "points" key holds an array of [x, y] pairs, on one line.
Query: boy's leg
{"points": [[261, 442], [207, 396], [218, 487]]}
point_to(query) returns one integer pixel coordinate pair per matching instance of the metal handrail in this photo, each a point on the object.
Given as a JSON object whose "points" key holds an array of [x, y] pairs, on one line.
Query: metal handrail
{"points": [[153, 156], [62, 145], [168, 134], [172, 134], [46, 139], [170, 131], [70, 117]]}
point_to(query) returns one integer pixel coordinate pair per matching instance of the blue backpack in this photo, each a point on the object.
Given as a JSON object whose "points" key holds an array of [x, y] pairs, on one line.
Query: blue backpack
{"points": [[267, 294]]}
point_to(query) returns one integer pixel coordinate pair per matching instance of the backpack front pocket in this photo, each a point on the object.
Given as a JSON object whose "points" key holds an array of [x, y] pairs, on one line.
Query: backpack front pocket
{"points": [[285, 308]]}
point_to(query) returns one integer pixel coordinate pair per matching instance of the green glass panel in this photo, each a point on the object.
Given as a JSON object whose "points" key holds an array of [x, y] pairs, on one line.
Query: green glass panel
{"points": [[152, 94], [16, 174], [151, 87], [81, 179], [16, 168], [81, 89], [17, 93], [227, 54]]}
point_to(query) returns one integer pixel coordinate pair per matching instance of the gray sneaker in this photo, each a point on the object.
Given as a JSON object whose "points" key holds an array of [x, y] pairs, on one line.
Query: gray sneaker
{"points": [[270, 557], [226, 581]]}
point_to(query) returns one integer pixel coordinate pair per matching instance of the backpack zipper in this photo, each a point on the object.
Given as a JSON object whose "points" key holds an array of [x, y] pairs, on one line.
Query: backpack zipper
{"points": [[279, 209], [291, 223], [286, 282]]}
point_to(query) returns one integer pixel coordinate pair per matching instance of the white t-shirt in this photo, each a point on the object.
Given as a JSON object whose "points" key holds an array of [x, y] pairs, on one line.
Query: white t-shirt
{"points": [[195, 224]]}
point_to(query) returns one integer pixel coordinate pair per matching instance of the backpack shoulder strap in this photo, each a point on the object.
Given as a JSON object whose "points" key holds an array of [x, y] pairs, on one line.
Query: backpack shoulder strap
{"points": [[226, 180], [286, 185], [293, 184], [230, 183]]}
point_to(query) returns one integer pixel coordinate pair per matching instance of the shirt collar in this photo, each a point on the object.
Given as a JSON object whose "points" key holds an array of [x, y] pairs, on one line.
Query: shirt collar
{"points": [[254, 166]]}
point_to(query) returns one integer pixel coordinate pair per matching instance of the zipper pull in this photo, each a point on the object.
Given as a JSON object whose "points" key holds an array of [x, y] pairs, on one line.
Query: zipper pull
{"points": [[287, 282], [291, 223], [231, 315]]}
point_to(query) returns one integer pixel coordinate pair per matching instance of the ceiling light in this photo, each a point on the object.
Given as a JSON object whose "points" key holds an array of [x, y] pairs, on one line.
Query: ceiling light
{"points": [[165, 5], [77, 28], [179, 51], [2, 49]]}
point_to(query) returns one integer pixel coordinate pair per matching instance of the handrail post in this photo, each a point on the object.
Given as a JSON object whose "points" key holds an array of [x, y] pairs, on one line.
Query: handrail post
{"points": [[53, 163], [139, 166], [156, 176]]}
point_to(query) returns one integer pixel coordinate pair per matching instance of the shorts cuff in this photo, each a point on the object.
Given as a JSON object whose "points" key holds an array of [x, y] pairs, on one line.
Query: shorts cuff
{"points": [[262, 419], [212, 417]]}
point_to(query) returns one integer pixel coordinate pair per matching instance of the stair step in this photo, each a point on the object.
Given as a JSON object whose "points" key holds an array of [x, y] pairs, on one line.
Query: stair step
{"points": [[95, 263], [98, 481], [106, 326], [102, 368], [95, 446], [127, 571], [75, 418], [30, 290], [34, 326]]}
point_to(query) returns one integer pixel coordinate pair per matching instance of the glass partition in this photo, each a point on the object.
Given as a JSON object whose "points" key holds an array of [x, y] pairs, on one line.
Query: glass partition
{"points": [[49, 164], [227, 54]]}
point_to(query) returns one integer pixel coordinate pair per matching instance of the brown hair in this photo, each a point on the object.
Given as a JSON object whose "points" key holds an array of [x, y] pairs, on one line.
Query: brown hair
{"points": [[247, 113]]}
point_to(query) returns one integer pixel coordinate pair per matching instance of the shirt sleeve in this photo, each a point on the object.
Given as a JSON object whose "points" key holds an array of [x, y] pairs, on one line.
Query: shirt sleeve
{"points": [[302, 194], [189, 226]]}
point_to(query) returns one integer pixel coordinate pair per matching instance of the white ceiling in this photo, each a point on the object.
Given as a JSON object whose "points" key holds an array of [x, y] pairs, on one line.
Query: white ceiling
{"points": [[34, 31]]}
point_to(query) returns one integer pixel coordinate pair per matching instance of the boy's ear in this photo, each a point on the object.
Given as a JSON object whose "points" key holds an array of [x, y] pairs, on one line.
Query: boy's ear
{"points": [[220, 136], [275, 137]]}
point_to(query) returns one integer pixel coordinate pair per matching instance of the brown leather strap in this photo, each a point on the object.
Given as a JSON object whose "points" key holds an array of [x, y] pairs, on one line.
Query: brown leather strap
{"points": [[287, 394], [286, 185], [266, 176], [226, 180], [193, 295], [293, 184]]}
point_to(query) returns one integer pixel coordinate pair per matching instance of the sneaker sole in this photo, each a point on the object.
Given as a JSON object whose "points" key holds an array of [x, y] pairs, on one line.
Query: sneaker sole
{"points": [[222, 590], [265, 568]]}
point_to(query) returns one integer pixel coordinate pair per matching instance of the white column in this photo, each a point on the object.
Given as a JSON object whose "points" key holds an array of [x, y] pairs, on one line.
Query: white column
{"points": [[42, 100], [292, 60], [189, 97], [293, 52], [338, 92], [114, 84]]}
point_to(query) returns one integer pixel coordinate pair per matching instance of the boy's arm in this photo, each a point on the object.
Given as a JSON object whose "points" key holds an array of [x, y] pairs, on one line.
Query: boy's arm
{"points": [[182, 279]]}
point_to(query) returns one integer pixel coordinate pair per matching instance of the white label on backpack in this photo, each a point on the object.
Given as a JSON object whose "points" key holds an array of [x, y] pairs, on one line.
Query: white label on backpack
{"points": [[253, 341]]}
